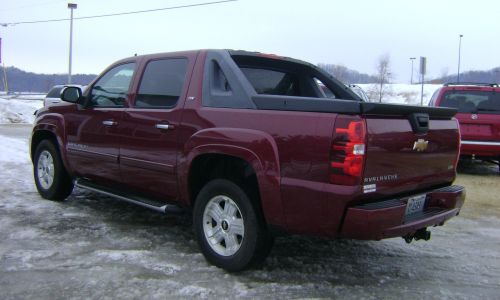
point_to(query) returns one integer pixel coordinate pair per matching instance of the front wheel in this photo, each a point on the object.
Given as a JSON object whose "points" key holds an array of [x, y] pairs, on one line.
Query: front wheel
{"points": [[51, 179], [228, 227]]}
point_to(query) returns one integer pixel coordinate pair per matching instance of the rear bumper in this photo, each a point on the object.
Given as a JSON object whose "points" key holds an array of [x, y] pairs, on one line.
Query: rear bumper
{"points": [[386, 219], [480, 148]]}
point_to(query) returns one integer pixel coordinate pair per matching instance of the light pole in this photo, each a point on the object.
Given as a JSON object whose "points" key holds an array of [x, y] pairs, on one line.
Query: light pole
{"points": [[71, 6], [459, 52], [411, 77]]}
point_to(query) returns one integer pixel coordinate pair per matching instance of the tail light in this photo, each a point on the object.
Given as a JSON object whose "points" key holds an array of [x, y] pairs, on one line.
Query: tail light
{"points": [[347, 154], [459, 145]]}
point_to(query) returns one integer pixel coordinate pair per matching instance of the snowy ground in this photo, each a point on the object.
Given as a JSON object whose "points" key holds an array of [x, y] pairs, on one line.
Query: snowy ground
{"points": [[402, 93], [91, 246], [19, 109]]}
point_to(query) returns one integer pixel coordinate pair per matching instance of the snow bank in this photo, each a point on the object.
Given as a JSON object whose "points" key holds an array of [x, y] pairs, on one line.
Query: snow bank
{"points": [[18, 111], [401, 93]]}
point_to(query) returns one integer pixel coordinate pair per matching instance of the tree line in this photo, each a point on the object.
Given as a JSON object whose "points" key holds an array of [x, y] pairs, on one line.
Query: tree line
{"points": [[22, 81]]}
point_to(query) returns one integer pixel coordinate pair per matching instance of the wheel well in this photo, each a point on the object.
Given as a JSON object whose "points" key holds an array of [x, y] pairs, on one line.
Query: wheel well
{"points": [[39, 136], [211, 166]]}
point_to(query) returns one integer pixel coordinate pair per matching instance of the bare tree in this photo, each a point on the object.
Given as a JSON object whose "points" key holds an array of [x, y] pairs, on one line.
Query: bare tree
{"points": [[384, 75]]}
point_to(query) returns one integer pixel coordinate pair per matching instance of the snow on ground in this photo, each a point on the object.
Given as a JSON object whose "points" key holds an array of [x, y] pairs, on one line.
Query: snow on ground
{"points": [[401, 93], [92, 246], [13, 150], [14, 110]]}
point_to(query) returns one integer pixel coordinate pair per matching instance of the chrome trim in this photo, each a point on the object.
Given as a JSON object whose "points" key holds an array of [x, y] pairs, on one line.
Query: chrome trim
{"points": [[164, 126], [109, 123], [161, 209], [481, 143]]}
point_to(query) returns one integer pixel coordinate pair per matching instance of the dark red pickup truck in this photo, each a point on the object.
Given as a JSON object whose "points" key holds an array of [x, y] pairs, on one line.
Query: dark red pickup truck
{"points": [[253, 145]]}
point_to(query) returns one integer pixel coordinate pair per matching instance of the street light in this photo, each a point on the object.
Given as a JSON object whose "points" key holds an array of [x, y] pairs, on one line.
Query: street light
{"points": [[459, 50], [411, 78], [71, 6]]}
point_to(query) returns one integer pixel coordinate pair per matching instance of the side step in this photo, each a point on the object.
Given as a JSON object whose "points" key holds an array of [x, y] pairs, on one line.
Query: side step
{"points": [[134, 199]]}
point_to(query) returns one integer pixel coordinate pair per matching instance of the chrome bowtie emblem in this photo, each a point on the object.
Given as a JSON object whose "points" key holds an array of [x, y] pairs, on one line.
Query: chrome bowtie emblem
{"points": [[474, 117], [420, 145]]}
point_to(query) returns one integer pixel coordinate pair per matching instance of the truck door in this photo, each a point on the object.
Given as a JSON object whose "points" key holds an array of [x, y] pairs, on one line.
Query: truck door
{"points": [[150, 127], [93, 131]]}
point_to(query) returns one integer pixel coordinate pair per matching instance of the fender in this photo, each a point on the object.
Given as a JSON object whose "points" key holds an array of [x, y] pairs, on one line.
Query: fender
{"points": [[255, 147], [53, 123]]}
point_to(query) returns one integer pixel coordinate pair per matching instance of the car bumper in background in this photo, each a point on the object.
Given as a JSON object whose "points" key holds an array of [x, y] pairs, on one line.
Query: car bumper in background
{"points": [[480, 148]]}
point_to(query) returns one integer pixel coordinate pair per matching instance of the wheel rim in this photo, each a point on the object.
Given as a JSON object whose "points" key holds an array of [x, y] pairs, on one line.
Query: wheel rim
{"points": [[45, 169], [223, 225]]}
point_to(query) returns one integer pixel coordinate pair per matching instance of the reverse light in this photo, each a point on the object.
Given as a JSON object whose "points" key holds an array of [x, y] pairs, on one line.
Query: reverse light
{"points": [[347, 155]]}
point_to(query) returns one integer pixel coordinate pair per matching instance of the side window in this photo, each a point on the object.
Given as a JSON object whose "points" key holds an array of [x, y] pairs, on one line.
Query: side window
{"points": [[112, 88], [219, 83], [432, 102], [162, 83], [270, 82]]}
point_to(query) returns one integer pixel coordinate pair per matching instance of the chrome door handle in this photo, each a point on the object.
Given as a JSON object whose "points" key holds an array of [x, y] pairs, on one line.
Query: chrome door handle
{"points": [[109, 123], [164, 126]]}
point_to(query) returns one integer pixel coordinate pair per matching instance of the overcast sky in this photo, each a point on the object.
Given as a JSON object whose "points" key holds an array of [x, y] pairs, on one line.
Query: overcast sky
{"points": [[352, 33]]}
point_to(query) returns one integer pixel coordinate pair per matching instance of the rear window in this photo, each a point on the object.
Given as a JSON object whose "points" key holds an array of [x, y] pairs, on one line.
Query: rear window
{"points": [[272, 82], [288, 77], [55, 92], [472, 101]]}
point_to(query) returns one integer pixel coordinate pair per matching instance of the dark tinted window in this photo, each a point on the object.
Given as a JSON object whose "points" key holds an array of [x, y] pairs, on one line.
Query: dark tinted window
{"points": [[272, 82], [55, 92], [162, 83], [472, 101], [112, 88]]}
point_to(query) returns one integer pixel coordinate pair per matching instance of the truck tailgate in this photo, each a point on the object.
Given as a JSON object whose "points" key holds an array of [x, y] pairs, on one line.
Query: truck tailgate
{"points": [[400, 160]]}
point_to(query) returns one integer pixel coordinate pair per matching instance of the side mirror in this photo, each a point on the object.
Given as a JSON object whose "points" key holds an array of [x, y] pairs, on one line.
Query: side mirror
{"points": [[71, 94]]}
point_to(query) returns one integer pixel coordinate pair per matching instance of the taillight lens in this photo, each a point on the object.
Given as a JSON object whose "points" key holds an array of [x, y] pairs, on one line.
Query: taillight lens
{"points": [[347, 155], [459, 145]]}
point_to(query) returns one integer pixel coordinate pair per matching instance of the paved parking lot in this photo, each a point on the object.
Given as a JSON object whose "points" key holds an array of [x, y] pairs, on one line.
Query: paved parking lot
{"points": [[91, 246]]}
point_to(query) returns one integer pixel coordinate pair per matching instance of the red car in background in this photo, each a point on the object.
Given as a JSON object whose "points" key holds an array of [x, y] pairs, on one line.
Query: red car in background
{"points": [[478, 107]]}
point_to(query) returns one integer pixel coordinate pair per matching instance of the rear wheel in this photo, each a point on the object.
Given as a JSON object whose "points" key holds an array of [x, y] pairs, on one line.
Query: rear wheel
{"points": [[228, 227], [51, 179]]}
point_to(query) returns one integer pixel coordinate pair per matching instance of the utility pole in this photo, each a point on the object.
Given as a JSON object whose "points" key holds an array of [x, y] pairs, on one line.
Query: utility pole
{"points": [[423, 70], [71, 6], [411, 77], [459, 54], [5, 82]]}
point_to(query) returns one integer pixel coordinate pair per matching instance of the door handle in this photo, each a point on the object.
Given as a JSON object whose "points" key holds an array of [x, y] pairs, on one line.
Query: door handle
{"points": [[109, 123], [164, 126]]}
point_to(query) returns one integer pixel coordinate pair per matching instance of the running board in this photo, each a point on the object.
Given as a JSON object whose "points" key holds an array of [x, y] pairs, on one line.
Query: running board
{"points": [[137, 200]]}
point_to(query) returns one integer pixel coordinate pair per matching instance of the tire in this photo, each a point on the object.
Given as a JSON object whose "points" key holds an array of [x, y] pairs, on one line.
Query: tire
{"points": [[229, 229], [51, 179]]}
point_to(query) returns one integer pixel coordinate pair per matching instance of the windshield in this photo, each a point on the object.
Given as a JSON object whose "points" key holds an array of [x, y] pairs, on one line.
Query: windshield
{"points": [[472, 101]]}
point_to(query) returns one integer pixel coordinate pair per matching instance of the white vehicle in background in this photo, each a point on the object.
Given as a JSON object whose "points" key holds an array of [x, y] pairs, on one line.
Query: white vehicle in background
{"points": [[54, 95], [359, 91]]}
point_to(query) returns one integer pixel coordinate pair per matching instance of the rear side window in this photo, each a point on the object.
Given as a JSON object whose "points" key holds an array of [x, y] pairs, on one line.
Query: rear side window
{"points": [[270, 82], [472, 101], [162, 83]]}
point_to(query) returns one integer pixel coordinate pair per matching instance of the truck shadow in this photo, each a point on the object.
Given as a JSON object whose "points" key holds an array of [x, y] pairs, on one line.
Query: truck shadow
{"points": [[476, 167]]}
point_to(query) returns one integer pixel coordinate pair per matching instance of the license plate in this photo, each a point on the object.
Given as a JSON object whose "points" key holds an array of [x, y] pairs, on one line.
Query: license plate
{"points": [[415, 204]]}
